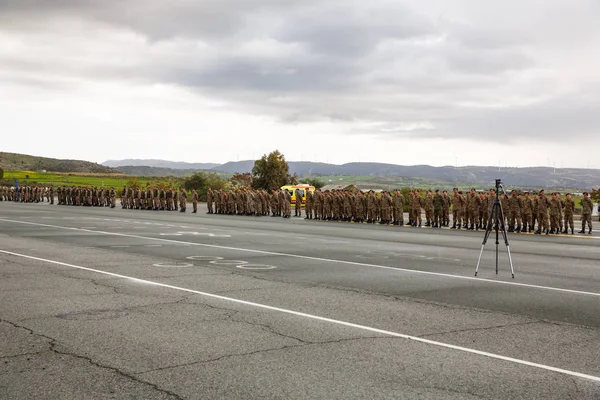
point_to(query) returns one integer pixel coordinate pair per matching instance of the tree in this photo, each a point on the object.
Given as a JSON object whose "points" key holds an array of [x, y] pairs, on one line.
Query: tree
{"points": [[271, 172], [201, 181], [317, 183], [595, 195], [1, 173], [242, 179]]}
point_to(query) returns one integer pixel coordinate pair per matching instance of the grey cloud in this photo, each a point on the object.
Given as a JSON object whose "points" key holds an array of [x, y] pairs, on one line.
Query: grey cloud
{"points": [[379, 62]]}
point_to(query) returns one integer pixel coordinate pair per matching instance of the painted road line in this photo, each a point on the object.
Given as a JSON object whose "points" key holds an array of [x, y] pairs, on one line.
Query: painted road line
{"points": [[319, 318], [329, 260]]}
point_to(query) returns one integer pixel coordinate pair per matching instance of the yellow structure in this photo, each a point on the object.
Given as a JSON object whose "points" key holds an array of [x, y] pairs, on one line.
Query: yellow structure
{"points": [[303, 189]]}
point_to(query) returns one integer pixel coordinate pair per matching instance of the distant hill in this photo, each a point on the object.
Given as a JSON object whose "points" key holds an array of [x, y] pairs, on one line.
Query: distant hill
{"points": [[157, 171], [158, 164], [14, 161], [521, 177]]}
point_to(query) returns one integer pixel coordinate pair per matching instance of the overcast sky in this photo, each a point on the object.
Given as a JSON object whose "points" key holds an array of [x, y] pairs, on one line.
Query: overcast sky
{"points": [[439, 82]]}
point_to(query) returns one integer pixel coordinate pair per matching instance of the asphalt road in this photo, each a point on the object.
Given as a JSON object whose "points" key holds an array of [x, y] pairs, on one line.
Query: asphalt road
{"points": [[101, 303]]}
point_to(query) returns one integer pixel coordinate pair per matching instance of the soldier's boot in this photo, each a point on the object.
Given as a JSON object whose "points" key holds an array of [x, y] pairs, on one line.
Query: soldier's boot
{"points": [[590, 231], [572, 231], [566, 231], [401, 223], [453, 226], [419, 224], [518, 230], [582, 230]]}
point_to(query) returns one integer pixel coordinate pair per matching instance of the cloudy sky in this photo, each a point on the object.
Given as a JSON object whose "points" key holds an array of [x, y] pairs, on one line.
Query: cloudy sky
{"points": [[438, 82]]}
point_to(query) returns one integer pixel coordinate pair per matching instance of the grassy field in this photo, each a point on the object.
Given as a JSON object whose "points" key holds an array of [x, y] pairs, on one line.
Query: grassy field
{"points": [[83, 179]]}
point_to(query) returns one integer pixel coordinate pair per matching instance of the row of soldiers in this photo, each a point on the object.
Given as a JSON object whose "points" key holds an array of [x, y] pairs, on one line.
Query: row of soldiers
{"points": [[522, 212], [249, 202], [85, 196], [471, 210], [157, 199], [27, 194]]}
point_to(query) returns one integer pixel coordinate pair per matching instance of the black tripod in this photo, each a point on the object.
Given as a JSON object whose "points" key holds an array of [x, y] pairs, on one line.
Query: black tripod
{"points": [[497, 218]]}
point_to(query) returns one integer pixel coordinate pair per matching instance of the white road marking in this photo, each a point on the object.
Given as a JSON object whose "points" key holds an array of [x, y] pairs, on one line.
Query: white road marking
{"points": [[256, 266], [396, 269], [153, 245], [204, 258], [318, 318], [185, 265], [119, 246], [228, 262]]}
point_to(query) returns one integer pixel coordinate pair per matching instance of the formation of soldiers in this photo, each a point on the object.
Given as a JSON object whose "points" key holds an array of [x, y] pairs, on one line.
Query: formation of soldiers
{"points": [[249, 202], [27, 194], [85, 196], [523, 212], [157, 199]]}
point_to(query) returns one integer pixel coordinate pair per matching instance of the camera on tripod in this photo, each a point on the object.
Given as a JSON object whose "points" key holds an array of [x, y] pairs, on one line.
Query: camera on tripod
{"points": [[496, 222]]}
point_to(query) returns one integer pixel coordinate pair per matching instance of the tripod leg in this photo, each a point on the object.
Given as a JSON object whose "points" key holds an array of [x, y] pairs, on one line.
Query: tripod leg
{"points": [[479, 259], [512, 271], [505, 236], [488, 230]]}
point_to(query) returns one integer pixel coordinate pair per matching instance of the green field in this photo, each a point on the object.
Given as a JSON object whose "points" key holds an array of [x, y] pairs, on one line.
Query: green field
{"points": [[83, 179]]}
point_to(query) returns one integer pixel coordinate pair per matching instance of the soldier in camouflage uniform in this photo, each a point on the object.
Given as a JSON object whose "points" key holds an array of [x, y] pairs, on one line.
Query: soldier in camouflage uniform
{"points": [[438, 205], [515, 213], [554, 213], [542, 213], [527, 212], [398, 201], [586, 213], [457, 207], [568, 214]]}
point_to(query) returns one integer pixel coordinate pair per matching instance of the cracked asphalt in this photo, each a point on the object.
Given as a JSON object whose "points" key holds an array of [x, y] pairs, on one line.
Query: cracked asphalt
{"points": [[113, 304]]}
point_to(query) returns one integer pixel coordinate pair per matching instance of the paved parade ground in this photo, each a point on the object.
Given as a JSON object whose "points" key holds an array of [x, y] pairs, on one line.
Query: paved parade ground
{"points": [[112, 303]]}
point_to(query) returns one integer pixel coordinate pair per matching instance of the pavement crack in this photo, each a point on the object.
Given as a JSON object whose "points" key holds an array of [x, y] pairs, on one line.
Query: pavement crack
{"points": [[270, 329], [250, 353], [53, 343]]}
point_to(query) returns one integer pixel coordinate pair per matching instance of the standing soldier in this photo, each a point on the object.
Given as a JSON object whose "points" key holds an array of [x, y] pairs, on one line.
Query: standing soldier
{"points": [[183, 200], [569, 211], [209, 201], [298, 203], [438, 205], [527, 214], [194, 201], [417, 204], [473, 212], [288, 203], [457, 206], [560, 211], [447, 202], [385, 208], [398, 201], [308, 207], [515, 212], [554, 206], [542, 213], [586, 213], [113, 197]]}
